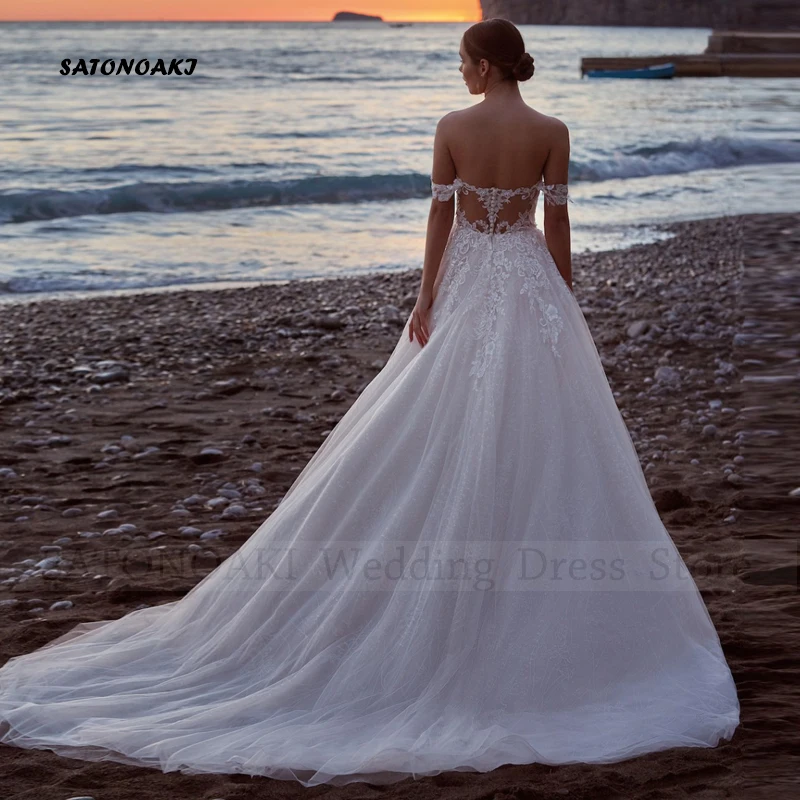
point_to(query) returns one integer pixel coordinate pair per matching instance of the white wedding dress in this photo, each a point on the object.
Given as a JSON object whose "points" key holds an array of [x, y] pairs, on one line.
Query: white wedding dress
{"points": [[345, 641]]}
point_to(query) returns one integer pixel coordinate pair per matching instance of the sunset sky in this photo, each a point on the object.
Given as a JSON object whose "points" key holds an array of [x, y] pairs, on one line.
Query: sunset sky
{"points": [[207, 10]]}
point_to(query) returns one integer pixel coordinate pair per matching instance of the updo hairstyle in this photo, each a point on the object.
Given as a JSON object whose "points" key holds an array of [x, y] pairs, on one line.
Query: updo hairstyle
{"points": [[500, 43]]}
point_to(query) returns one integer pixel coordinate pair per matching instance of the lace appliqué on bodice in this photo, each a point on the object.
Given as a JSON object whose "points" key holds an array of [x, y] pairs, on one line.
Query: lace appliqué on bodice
{"points": [[507, 256], [494, 199], [557, 192]]}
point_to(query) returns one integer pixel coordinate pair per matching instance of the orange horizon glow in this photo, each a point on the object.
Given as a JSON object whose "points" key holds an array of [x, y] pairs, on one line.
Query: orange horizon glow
{"points": [[240, 11]]}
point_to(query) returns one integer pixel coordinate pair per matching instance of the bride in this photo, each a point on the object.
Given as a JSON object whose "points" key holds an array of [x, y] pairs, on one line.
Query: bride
{"points": [[469, 572]]}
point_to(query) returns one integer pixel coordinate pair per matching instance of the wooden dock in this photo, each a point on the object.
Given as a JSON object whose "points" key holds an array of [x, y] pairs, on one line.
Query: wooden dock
{"points": [[739, 54]]}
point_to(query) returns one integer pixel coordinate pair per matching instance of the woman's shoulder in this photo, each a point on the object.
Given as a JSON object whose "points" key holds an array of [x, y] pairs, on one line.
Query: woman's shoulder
{"points": [[554, 123], [474, 113], [552, 130], [452, 117]]}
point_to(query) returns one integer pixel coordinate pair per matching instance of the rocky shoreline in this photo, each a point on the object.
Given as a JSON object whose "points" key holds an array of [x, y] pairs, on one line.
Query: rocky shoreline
{"points": [[143, 438]]}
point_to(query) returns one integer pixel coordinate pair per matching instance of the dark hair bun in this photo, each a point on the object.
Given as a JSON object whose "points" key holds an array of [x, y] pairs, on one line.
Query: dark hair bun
{"points": [[523, 69]]}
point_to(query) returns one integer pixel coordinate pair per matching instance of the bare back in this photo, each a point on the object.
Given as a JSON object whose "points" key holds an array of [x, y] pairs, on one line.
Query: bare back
{"points": [[506, 152], [498, 158]]}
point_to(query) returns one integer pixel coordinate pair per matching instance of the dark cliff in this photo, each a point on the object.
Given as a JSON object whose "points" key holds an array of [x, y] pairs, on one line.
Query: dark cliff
{"points": [[765, 14]]}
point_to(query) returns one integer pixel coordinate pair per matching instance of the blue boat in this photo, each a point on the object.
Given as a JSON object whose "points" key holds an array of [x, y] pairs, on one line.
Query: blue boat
{"points": [[655, 71]]}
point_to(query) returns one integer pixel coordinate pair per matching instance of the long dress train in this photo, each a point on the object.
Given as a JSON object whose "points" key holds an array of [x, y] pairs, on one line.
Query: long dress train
{"points": [[469, 572]]}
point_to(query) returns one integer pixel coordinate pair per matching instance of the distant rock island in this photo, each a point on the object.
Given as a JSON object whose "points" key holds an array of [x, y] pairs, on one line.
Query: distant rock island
{"points": [[351, 16], [763, 14]]}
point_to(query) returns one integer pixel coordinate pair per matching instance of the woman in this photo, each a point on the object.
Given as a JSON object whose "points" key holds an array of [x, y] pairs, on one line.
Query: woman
{"points": [[469, 572]]}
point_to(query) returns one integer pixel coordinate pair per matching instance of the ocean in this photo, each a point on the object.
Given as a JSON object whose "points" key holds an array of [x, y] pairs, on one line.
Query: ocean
{"points": [[303, 150]]}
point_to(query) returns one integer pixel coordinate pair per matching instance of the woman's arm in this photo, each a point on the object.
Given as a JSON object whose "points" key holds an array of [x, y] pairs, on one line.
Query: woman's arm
{"points": [[440, 222], [556, 217], [440, 215]]}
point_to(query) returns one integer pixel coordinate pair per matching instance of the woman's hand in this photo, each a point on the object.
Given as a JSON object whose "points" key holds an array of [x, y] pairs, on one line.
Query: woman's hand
{"points": [[420, 318]]}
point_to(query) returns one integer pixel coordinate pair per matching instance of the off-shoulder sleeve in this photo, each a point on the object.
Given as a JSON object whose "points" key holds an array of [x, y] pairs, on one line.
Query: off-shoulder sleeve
{"points": [[555, 194], [443, 191]]}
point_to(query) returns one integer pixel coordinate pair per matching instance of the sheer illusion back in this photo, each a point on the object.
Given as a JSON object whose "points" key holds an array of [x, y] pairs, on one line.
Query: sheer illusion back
{"points": [[478, 271], [490, 209]]}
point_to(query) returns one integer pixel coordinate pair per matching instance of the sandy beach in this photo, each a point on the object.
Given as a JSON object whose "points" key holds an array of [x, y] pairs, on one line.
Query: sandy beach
{"points": [[144, 437]]}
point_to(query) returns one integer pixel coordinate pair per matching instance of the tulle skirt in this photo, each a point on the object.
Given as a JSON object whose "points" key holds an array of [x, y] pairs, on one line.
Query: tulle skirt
{"points": [[469, 572]]}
